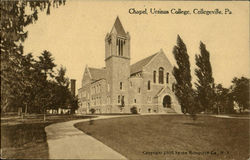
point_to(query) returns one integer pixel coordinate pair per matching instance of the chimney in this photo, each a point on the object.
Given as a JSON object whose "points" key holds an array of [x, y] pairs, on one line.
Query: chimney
{"points": [[73, 87]]}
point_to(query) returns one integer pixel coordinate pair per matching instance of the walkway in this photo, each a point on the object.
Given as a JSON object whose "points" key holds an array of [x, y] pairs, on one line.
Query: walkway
{"points": [[67, 142], [227, 116]]}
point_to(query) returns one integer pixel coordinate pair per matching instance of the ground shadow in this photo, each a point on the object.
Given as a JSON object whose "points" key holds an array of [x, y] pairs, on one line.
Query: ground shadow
{"points": [[197, 124]]}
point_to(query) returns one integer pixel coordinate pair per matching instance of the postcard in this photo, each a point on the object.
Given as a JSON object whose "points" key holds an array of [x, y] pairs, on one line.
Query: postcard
{"points": [[125, 80]]}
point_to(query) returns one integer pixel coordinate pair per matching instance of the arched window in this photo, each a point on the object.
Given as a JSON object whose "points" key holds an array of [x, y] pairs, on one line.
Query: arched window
{"points": [[154, 76], [149, 85], [167, 77], [161, 71]]}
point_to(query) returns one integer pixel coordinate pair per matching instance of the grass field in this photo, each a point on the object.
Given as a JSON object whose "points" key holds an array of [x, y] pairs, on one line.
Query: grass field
{"points": [[172, 137], [26, 138]]}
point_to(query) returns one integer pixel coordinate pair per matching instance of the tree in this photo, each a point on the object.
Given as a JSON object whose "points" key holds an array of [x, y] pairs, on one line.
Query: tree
{"points": [[182, 74], [223, 100], [205, 85], [74, 103], [60, 78], [25, 93], [46, 65], [58, 93], [15, 16], [92, 110], [240, 91]]}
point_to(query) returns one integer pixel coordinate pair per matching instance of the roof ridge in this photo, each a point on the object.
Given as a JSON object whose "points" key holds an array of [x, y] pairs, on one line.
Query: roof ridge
{"points": [[137, 66], [96, 68], [146, 57], [97, 73]]}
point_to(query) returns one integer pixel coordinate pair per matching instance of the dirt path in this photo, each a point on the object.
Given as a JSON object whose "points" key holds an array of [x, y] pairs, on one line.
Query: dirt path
{"points": [[226, 116], [67, 142]]}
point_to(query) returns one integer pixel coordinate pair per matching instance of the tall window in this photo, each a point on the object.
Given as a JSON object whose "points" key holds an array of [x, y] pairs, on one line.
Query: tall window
{"points": [[167, 77], [119, 99], [120, 85], [110, 46], [139, 90], [119, 45], [154, 76], [122, 101], [149, 85], [161, 71]]}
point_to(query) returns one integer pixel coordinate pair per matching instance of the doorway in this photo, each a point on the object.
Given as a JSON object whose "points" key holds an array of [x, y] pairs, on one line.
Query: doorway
{"points": [[167, 101]]}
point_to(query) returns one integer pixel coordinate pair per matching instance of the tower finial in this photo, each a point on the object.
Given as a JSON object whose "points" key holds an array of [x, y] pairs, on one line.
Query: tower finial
{"points": [[161, 50]]}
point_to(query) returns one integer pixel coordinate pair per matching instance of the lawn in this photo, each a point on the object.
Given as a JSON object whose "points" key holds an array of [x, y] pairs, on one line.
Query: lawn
{"points": [[26, 138], [173, 137]]}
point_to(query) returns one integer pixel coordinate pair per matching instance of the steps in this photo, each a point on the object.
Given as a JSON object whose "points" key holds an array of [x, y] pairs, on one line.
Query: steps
{"points": [[169, 110]]}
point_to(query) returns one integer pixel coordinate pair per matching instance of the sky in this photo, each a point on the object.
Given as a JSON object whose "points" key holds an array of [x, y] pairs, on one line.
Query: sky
{"points": [[75, 33]]}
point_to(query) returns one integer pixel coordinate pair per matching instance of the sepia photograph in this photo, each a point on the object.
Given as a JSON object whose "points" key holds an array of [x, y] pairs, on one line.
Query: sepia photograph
{"points": [[115, 80]]}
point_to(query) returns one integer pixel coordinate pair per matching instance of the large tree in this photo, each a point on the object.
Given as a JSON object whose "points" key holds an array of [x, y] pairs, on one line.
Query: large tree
{"points": [[205, 80], [182, 74], [15, 16], [46, 65], [240, 91]]}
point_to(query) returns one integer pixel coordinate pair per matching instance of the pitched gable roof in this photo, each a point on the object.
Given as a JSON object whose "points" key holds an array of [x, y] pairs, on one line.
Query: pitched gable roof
{"points": [[118, 27], [137, 67], [159, 93], [97, 73]]}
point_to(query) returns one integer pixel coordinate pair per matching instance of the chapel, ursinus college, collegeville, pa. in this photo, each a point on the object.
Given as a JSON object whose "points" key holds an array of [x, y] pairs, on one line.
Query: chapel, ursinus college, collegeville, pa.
{"points": [[119, 86]]}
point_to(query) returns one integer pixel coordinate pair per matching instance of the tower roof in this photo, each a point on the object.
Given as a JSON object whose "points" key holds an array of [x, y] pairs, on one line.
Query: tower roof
{"points": [[118, 27]]}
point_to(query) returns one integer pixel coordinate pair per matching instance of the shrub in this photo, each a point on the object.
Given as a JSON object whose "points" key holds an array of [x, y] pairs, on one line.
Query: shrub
{"points": [[133, 110], [92, 110]]}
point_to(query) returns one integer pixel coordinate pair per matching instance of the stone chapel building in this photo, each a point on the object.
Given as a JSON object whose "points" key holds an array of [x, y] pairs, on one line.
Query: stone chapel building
{"points": [[119, 86]]}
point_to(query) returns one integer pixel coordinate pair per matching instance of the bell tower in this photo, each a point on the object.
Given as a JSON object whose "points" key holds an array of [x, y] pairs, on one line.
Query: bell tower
{"points": [[117, 61], [117, 42]]}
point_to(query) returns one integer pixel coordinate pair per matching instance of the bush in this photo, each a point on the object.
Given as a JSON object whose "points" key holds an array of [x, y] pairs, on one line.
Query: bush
{"points": [[92, 110], [133, 110]]}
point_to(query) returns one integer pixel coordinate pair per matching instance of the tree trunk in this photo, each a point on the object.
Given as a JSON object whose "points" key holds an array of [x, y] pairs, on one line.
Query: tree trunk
{"points": [[26, 109], [44, 115], [4, 105]]}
